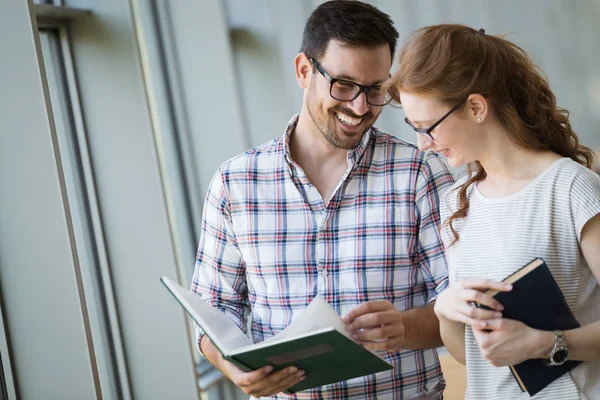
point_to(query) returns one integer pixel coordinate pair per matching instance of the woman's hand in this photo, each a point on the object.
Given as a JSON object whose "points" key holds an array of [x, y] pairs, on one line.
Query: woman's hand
{"points": [[457, 303], [509, 342]]}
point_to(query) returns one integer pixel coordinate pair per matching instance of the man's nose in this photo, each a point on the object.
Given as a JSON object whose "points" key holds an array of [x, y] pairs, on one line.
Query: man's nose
{"points": [[359, 105]]}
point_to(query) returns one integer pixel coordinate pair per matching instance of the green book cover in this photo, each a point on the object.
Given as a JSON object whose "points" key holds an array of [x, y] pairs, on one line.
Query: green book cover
{"points": [[327, 356], [316, 342]]}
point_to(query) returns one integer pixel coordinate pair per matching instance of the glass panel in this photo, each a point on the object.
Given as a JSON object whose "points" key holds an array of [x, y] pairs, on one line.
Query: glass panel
{"points": [[79, 207]]}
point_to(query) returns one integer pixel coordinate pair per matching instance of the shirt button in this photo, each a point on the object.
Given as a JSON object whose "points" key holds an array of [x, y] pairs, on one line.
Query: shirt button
{"points": [[324, 272]]}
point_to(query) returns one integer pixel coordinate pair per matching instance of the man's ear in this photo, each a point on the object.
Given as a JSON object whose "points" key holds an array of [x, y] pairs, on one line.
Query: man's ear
{"points": [[303, 70], [478, 107]]}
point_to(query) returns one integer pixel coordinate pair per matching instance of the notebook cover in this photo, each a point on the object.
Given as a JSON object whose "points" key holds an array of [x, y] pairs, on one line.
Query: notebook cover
{"points": [[326, 357], [537, 301]]}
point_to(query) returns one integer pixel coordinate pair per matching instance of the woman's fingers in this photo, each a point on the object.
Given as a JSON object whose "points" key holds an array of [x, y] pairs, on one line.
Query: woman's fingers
{"points": [[484, 284], [474, 296], [479, 313]]}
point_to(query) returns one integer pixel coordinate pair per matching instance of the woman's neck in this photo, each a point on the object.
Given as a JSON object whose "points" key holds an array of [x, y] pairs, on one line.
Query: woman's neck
{"points": [[510, 168]]}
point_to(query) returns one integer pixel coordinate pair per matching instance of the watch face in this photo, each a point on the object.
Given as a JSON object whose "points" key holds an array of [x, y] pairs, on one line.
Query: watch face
{"points": [[560, 356]]}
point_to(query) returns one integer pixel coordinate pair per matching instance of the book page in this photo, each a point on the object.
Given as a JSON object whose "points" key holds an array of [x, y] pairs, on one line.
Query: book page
{"points": [[221, 329], [316, 316]]}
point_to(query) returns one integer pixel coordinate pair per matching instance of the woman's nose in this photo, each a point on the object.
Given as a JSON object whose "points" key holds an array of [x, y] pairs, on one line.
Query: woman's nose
{"points": [[423, 142]]}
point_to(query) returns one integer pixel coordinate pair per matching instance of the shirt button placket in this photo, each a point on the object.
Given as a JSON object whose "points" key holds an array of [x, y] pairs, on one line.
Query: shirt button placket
{"points": [[322, 258]]}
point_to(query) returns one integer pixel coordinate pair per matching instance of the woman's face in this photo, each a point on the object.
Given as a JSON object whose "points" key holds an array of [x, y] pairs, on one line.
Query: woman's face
{"points": [[452, 137]]}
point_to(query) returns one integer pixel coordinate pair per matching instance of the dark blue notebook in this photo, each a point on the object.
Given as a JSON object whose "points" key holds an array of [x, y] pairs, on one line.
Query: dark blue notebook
{"points": [[536, 300]]}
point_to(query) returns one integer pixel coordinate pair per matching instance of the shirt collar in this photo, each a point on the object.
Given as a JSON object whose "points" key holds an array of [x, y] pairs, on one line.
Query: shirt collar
{"points": [[352, 156]]}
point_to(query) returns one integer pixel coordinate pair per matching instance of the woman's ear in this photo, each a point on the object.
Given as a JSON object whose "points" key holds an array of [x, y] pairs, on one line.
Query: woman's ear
{"points": [[303, 70], [478, 107]]}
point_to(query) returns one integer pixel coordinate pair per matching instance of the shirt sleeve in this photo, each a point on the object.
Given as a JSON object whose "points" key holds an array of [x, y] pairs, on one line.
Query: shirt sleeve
{"points": [[219, 274], [432, 182], [584, 198]]}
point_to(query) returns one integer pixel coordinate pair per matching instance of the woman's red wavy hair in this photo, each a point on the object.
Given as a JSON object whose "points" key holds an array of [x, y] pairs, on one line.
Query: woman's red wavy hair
{"points": [[449, 62]]}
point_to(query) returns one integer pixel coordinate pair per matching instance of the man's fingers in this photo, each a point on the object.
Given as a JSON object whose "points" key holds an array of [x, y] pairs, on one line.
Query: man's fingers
{"points": [[374, 334], [392, 344], [250, 378], [283, 384], [276, 382], [367, 308], [371, 320]]}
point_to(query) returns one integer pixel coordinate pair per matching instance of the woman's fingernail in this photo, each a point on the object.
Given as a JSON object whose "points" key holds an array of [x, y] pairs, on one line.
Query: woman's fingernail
{"points": [[268, 369], [508, 287], [483, 324], [300, 373], [292, 370], [498, 315]]}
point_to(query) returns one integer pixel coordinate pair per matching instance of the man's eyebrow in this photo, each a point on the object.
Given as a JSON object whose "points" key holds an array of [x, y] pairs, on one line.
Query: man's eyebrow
{"points": [[353, 80]]}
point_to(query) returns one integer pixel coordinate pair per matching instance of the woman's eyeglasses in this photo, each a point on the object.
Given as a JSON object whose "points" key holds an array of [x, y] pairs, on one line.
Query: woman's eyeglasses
{"points": [[427, 131]]}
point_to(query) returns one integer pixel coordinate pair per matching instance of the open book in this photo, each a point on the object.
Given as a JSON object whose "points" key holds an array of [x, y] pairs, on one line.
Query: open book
{"points": [[316, 342], [536, 300]]}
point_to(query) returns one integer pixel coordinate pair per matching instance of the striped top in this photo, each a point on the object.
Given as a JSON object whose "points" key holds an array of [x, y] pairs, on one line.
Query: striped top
{"points": [[501, 235], [269, 245]]}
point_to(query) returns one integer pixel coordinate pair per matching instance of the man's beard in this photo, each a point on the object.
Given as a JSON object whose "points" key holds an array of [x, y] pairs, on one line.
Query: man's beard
{"points": [[328, 125]]}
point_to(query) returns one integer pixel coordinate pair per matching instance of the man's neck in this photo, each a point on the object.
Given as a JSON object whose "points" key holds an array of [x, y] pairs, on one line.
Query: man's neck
{"points": [[309, 147], [323, 163]]}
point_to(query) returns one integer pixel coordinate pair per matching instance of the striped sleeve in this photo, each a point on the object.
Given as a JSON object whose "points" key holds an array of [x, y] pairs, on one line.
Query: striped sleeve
{"points": [[433, 180], [584, 198], [219, 274]]}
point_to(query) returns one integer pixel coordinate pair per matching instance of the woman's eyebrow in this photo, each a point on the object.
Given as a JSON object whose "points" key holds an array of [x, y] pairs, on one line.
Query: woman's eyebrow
{"points": [[420, 122]]}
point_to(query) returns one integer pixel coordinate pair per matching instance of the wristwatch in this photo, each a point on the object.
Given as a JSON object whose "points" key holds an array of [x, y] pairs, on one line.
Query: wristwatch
{"points": [[560, 352]]}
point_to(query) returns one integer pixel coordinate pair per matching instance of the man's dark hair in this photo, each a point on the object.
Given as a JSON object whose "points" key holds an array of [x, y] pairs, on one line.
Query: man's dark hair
{"points": [[350, 22]]}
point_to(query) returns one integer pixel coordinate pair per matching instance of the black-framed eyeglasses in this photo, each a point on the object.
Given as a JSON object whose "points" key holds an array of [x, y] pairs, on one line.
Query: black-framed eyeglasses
{"points": [[427, 131], [343, 90]]}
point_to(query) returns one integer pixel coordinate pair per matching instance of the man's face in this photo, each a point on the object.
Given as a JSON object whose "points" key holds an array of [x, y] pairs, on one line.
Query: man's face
{"points": [[344, 124]]}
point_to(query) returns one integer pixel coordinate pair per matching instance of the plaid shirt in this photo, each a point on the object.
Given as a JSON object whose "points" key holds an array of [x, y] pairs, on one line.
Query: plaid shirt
{"points": [[269, 245]]}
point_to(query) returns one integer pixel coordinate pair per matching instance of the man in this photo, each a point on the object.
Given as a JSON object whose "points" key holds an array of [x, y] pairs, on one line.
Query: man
{"points": [[332, 207]]}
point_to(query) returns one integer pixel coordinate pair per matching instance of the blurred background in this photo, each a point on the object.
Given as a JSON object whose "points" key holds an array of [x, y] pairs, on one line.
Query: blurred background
{"points": [[114, 115]]}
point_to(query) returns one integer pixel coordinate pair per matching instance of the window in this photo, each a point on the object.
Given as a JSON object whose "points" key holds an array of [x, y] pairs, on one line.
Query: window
{"points": [[93, 272]]}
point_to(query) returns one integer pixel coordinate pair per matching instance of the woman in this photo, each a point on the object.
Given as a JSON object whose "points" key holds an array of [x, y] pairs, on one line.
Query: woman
{"points": [[479, 100]]}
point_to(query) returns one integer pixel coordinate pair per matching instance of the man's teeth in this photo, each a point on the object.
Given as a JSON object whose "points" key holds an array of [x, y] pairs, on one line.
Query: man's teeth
{"points": [[348, 120]]}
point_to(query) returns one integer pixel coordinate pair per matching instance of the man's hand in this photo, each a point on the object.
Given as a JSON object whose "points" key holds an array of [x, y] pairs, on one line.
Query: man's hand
{"points": [[376, 325], [263, 382], [258, 383], [509, 342]]}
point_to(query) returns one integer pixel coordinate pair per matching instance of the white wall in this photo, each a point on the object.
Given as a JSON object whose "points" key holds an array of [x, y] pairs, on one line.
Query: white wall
{"points": [[47, 282], [46, 329], [560, 35], [231, 78]]}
